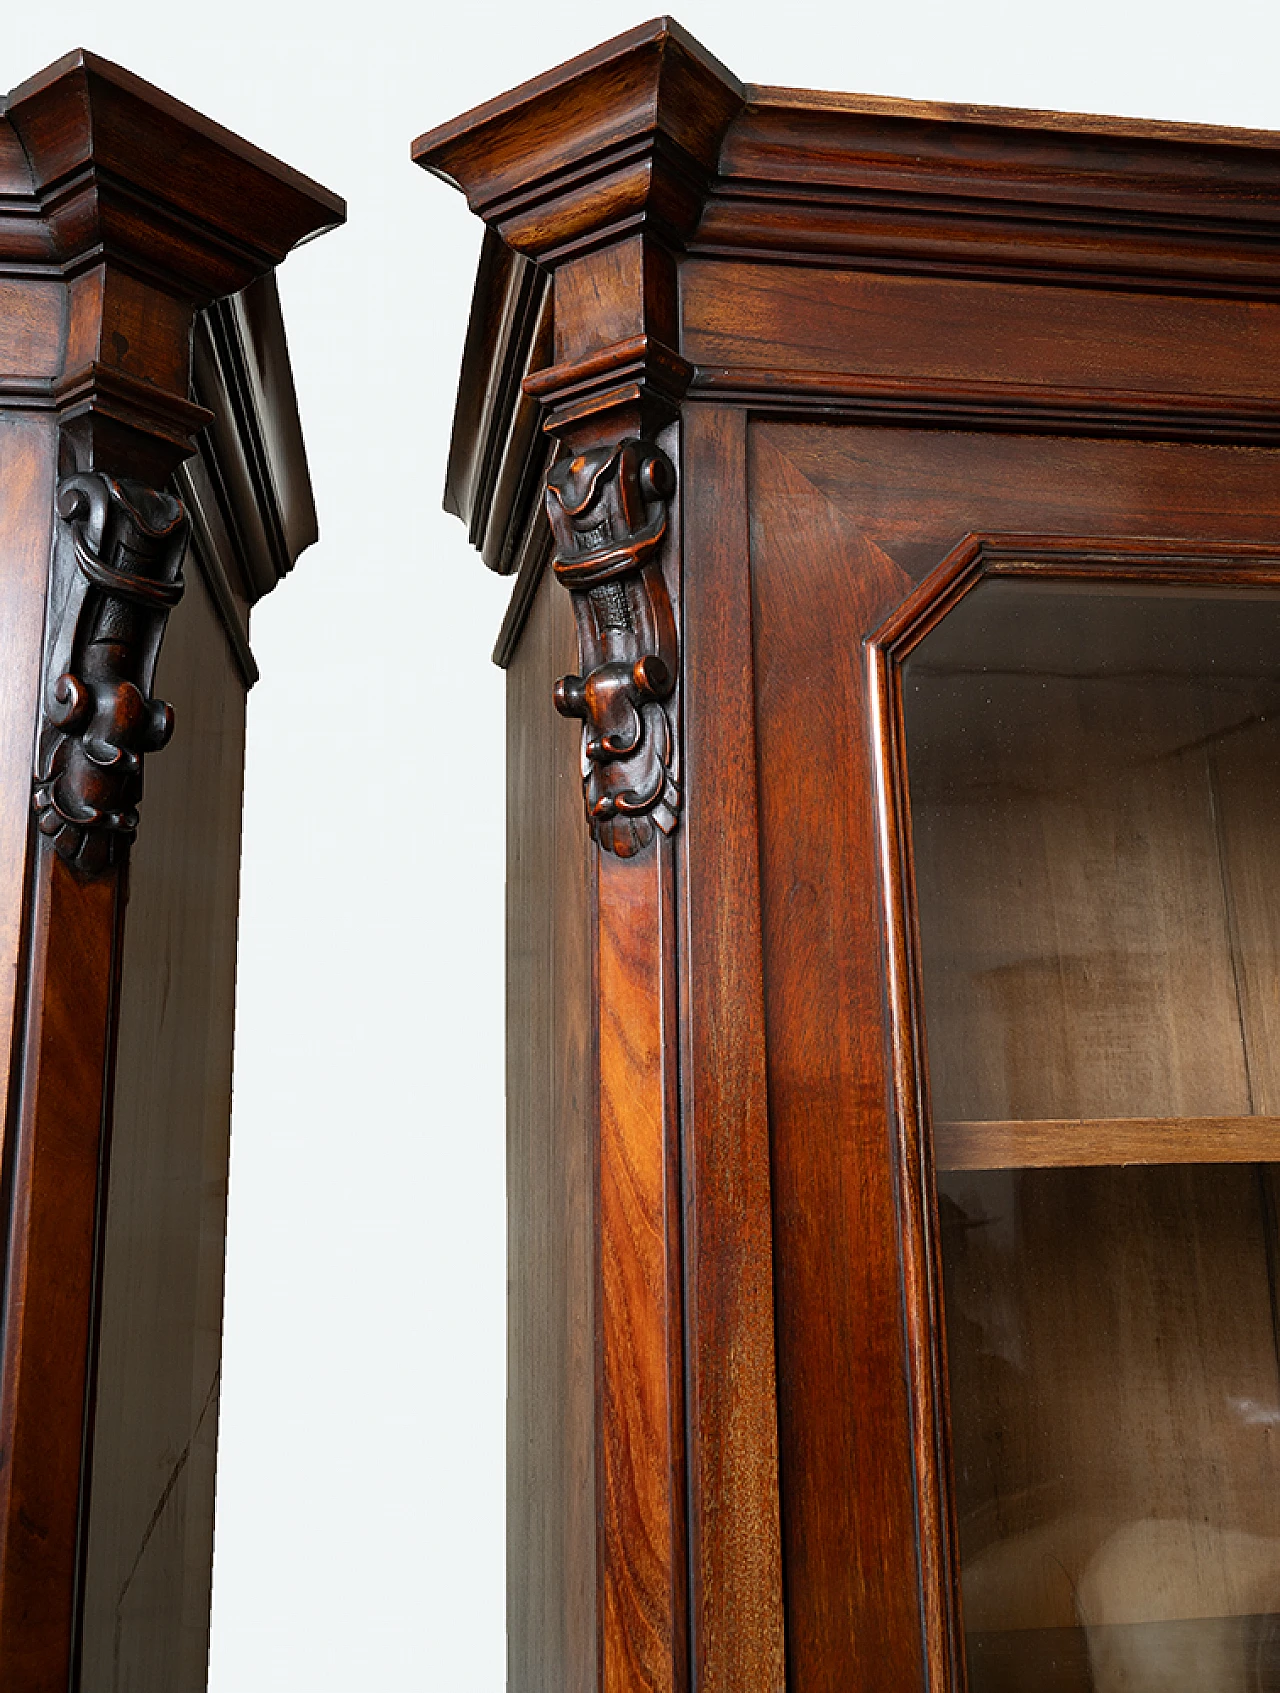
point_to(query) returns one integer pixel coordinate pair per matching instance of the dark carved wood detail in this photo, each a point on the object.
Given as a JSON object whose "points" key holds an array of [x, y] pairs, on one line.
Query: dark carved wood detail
{"points": [[608, 510], [121, 545]]}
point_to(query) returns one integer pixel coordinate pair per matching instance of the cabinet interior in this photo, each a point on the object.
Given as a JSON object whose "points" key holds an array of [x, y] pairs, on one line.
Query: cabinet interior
{"points": [[1095, 805]]}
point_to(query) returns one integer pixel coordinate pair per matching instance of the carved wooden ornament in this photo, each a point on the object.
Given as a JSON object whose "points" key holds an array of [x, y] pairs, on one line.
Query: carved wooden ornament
{"points": [[608, 511], [119, 571]]}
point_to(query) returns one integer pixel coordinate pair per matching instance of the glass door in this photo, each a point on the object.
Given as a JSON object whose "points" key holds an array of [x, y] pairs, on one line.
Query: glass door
{"points": [[1094, 774]]}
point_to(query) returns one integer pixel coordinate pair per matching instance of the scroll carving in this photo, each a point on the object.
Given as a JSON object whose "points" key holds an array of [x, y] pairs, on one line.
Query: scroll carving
{"points": [[118, 572], [608, 510]]}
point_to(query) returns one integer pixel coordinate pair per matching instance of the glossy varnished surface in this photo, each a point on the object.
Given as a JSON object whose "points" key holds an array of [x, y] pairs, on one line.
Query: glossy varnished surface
{"points": [[846, 1457], [124, 215], [51, 1264], [737, 1616], [881, 327]]}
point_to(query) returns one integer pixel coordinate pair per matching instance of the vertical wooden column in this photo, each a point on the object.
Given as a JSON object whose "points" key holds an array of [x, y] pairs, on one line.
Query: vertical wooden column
{"points": [[611, 507], [133, 213], [733, 1434], [649, 111], [59, 1149], [639, 1361]]}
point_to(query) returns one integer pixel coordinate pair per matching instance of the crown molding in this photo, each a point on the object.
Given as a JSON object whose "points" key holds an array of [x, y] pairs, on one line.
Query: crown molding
{"points": [[621, 138], [116, 169]]}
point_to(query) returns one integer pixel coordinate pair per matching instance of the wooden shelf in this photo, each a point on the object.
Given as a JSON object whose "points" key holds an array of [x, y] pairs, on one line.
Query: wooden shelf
{"points": [[1051, 1143]]}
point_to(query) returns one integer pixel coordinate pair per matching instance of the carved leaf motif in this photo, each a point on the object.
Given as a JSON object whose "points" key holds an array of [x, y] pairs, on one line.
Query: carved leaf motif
{"points": [[118, 569], [608, 513]]}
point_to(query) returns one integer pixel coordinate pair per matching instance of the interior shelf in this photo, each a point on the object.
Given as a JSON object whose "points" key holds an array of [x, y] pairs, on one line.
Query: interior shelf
{"points": [[1057, 1142]]}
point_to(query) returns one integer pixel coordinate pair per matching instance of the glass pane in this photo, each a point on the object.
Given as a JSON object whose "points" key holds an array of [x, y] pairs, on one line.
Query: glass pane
{"points": [[1095, 799]]}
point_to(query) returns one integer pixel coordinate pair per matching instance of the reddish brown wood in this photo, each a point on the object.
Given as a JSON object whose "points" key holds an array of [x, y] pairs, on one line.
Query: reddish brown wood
{"points": [[737, 1612], [652, 94], [852, 1597], [51, 1264], [897, 344], [609, 513], [641, 1454], [124, 216], [914, 186]]}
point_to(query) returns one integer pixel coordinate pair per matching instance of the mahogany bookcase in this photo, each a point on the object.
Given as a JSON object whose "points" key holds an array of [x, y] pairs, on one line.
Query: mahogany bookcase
{"points": [[154, 487], [894, 949]]}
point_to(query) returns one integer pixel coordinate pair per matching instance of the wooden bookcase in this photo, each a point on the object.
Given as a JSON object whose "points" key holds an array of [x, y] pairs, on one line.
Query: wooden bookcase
{"points": [[893, 1111], [155, 487]]}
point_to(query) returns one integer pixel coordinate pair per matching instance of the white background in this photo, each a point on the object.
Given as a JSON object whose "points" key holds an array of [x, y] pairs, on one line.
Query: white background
{"points": [[359, 1539]]}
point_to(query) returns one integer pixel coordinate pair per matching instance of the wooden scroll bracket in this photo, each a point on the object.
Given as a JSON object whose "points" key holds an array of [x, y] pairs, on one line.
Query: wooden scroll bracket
{"points": [[608, 509], [117, 575]]}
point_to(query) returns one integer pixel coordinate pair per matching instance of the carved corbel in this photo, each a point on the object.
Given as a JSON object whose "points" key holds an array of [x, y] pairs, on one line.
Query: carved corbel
{"points": [[118, 572], [608, 510]]}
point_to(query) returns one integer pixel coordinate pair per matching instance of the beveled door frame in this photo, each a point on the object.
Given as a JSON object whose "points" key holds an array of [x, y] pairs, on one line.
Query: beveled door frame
{"points": [[1047, 558]]}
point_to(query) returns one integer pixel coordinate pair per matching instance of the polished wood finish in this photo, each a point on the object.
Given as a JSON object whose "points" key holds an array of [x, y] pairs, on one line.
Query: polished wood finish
{"points": [[129, 227], [609, 512], [737, 1612], [893, 351]]}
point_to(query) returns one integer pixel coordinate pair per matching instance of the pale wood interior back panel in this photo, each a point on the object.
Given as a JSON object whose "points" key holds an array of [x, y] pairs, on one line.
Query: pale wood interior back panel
{"points": [[1091, 842], [1115, 1397]]}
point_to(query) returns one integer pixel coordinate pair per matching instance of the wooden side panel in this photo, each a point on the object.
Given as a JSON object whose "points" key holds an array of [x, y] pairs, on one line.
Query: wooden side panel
{"points": [[735, 1554], [551, 1423], [150, 1528]]}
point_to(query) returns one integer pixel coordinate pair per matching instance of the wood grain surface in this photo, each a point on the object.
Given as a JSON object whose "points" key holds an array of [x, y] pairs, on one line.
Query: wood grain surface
{"points": [[847, 1464], [1028, 1143], [641, 1461], [735, 1548], [124, 214], [552, 1561], [882, 328], [149, 1528], [51, 1265]]}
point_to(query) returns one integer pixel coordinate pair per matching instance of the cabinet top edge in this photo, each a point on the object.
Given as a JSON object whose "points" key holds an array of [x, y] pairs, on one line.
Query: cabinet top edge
{"points": [[644, 46], [85, 142], [657, 87], [768, 97], [87, 77]]}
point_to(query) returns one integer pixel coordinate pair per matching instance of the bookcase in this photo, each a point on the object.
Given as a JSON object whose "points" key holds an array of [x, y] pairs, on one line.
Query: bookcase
{"points": [[890, 495]]}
